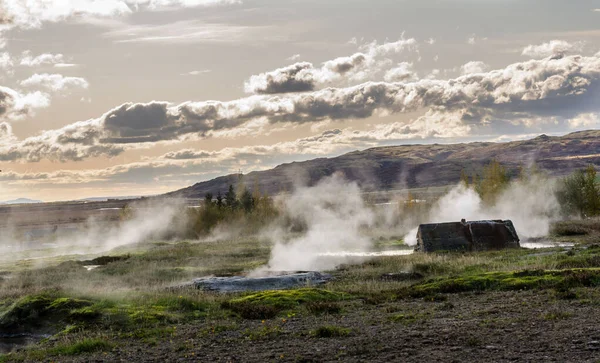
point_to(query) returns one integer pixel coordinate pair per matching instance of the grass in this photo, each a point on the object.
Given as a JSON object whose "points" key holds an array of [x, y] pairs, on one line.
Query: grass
{"points": [[505, 281], [129, 296]]}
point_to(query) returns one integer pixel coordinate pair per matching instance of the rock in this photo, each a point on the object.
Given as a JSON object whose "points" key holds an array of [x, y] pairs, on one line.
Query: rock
{"points": [[280, 281]]}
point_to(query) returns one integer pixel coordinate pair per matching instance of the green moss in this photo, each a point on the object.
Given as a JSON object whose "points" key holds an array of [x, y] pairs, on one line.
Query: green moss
{"points": [[523, 280], [40, 312], [267, 304]]}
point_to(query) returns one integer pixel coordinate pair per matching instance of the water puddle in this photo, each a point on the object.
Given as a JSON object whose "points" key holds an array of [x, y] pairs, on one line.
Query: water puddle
{"points": [[545, 244], [403, 252]]}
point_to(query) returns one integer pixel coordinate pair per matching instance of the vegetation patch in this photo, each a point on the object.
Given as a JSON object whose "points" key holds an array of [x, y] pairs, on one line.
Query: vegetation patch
{"points": [[40, 312], [84, 346], [408, 319], [523, 280], [267, 304], [330, 331]]}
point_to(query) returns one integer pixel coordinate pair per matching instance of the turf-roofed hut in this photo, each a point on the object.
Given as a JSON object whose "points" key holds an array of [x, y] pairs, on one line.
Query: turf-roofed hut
{"points": [[467, 236]]}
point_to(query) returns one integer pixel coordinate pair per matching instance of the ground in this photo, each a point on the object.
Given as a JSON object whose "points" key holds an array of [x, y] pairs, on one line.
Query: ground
{"points": [[512, 305]]}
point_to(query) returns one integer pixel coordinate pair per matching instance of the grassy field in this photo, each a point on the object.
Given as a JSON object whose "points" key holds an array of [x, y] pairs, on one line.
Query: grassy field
{"points": [[127, 307]]}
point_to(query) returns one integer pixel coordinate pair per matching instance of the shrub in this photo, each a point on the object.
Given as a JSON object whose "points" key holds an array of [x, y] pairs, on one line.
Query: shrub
{"points": [[330, 331]]}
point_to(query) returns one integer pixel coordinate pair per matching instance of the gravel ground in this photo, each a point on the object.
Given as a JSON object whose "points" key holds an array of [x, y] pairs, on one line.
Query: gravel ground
{"points": [[524, 326]]}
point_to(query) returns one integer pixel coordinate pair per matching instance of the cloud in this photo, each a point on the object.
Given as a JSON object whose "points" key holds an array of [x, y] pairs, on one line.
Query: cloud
{"points": [[196, 73], [186, 32], [298, 77], [15, 105], [28, 60], [54, 82], [303, 76], [6, 134], [524, 93], [293, 57], [6, 63], [553, 47], [65, 65], [402, 72], [473, 67], [32, 14]]}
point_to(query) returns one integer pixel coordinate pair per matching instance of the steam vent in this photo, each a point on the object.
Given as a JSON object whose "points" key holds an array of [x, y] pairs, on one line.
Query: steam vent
{"points": [[467, 236]]}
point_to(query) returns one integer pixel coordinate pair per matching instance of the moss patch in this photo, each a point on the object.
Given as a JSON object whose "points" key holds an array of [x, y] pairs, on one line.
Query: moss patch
{"points": [[523, 280], [267, 304], [40, 313]]}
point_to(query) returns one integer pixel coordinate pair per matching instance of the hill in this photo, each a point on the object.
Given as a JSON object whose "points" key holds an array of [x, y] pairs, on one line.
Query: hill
{"points": [[419, 166]]}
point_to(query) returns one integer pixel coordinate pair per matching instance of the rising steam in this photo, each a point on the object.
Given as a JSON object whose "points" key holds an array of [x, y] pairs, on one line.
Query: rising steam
{"points": [[153, 219], [333, 213], [530, 204]]}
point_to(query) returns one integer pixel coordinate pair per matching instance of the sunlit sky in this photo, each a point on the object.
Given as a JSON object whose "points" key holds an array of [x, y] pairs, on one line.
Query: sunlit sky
{"points": [[139, 97]]}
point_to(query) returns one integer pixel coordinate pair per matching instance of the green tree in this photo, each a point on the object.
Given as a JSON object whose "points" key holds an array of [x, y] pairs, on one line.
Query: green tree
{"points": [[247, 201], [208, 198], [579, 193], [219, 199], [231, 198]]}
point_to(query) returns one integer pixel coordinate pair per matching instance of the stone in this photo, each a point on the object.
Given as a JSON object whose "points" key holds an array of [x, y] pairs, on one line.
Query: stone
{"points": [[273, 281]]}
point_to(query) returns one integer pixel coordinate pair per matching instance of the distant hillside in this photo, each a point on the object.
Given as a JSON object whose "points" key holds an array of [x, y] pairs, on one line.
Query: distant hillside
{"points": [[417, 166], [22, 201]]}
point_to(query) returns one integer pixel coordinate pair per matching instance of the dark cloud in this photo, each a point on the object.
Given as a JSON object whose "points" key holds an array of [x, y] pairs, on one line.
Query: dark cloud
{"points": [[298, 77]]}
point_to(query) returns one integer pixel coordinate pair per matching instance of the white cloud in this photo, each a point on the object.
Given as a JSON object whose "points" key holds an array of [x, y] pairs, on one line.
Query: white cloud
{"points": [[15, 105], [54, 82], [524, 94], [553, 47], [294, 57], [32, 14], [6, 63], [65, 65], [196, 73], [303, 76], [401, 73], [186, 32], [29, 61], [585, 120], [473, 67]]}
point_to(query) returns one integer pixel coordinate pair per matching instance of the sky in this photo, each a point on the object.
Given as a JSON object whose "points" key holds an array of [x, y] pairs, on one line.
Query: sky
{"points": [[141, 97]]}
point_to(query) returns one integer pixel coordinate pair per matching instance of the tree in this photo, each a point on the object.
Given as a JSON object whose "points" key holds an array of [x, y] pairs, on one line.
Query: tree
{"points": [[208, 197], [231, 198], [493, 181], [247, 201], [579, 193], [219, 199]]}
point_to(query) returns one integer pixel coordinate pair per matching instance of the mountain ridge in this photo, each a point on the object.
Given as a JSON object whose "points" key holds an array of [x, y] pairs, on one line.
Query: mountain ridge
{"points": [[419, 165]]}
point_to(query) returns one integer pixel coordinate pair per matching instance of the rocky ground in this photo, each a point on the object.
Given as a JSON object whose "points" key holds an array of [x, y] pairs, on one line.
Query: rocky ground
{"points": [[523, 326]]}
